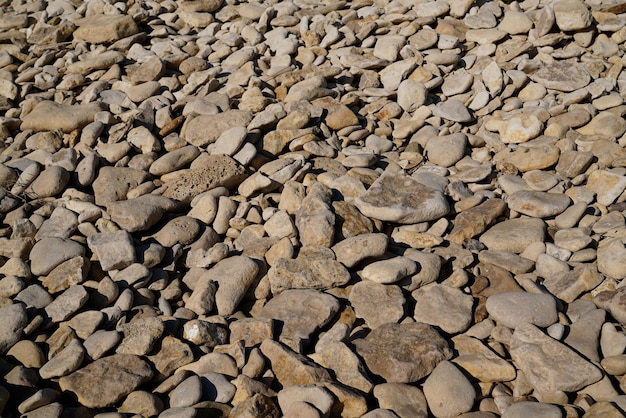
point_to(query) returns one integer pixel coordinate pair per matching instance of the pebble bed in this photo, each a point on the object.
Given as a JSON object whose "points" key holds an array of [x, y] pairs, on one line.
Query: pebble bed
{"points": [[312, 208]]}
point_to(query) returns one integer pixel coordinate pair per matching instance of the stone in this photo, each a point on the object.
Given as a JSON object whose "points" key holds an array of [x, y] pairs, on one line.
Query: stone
{"points": [[142, 403], [446, 150], [67, 303], [561, 75], [114, 250], [606, 185], [65, 362], [256, 406], [172, 355], [402, 353], [448, 392], [525, 409], [454, 110], [174, 160], [203, 130], [216, 387], [216, 171], [443, 306], [538, 355], [411, 95], [353, 250], [404, 400], [390, 270], [611, 301], [344, 363], [480, 361], [50, 116], [377, 303], [107, 380], [48, 183], [306, 273], [514, 235], [610, 260], [291, 368], [475, 220], [538, 204], [205, 333], [113, 183], [105, 28], [315, 220], [140, 336], [301, 312], [317, 396], [13, 319], [187, 393], [515, 23], [515, 128], [571, 15], [513, 309], [401, 199], [181, 230]]}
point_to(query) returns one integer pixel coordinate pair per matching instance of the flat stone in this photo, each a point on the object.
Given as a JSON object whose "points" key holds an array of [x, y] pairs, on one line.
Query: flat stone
{"points": [[528, 158], [377, 303], [526, 409], [446, 150], [344, 363], [107, 380], [606, 185], [113, 183], [515, 128], [443, 306], [513, 309], [305, 273], [562, 75], [181, 230], [402, 353], [142, 403], [404, 400], [317, 396], [612, 302], [65, 362], [187, 393], [514, 235], [49, 116], [539, 357], [140, 336], [173, 354], [401, 199], [99, 29], [315, 220], [610, 255], [291, 368], [174, 160], [454, 110], [206, 129], [480, 361], [474, 221], [137, 214], [216, 171], [571, 15], [302, 313], [114, 250], [67, 303], [538, 204], [48, 183]]}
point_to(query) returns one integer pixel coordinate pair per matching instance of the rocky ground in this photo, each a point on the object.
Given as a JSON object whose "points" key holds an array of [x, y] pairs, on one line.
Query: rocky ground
{"points": [[312, 208]]}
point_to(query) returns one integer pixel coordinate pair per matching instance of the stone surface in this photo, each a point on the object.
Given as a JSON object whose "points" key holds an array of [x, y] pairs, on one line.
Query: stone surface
{"points": [[403, 353], [399, 198], [513, 309], [448, 391]]}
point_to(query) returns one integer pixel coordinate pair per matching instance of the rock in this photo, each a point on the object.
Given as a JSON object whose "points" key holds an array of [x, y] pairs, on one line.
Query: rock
{"points": [[524, 409], [315, 220], [353, 250], [404, 400], [411, 95], [377, 303], [402, 353], [140, 336], [142, 403], [448, 392], [48, 183], [301, 312], [291, 368], [561, 75], [137, 214], [319, 397], [173, 354], [516, 128], [443, 306], [571, 15], [187, 393], [446, 150], [65, 362], [536, 355], [13, 319], [206, 129], [174, 160], [514, 309], [514, 235], [50, 116], [67, 303], [304, 273], [474, 221], [216, 171], [390, 270], [114, 250], [454, 110], [113, 183], [401, 199], [105, 28], [538, 204], [107, 380], [611, 301], [480, 361], [344, 363], [606, 185]]}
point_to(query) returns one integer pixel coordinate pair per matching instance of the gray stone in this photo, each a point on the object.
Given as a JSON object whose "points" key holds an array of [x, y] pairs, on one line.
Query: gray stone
{"points": [[13, 319], [377, 303], [398, 198], [513, 309], [307, 273], [443, 306], [114, 250], [448, 392]]}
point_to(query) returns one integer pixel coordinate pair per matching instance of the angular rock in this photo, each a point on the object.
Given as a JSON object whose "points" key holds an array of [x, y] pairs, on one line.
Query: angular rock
{"points": [[403, 353], [443, 306], [539, 357], [114, 250], [401, 199], [107, 380], [13, 319], [100, 29], [291, 368], [305, 273], [377, 303]]}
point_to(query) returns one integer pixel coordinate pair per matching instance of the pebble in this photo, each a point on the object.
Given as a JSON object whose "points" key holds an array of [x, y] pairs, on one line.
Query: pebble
{"points": [[312, 209]]}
